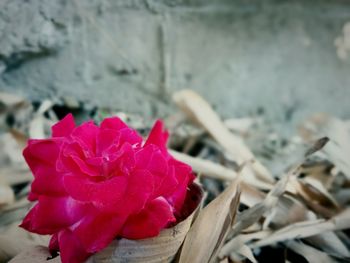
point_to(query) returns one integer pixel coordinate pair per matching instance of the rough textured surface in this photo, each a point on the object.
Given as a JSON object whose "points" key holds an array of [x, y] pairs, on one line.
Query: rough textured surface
{"points": [[245, 57]]}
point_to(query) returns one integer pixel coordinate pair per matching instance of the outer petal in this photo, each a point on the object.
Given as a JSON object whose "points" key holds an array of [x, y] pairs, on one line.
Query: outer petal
{"points": [[152, 159], [39, 152], [41, 156], [72, 250], [148, 223], [50, 215], [184, 175], [54, 245], [48, 182], [64, 127], [113, 123], [96, 231], [158, 136]]}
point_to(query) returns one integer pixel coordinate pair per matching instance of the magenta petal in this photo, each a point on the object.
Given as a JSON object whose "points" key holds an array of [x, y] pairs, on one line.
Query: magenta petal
{"points": [[96, 231], [47, 182], [53, 245], [71, 248], [50, 215], [148, 223], [86, 135], [184, 175], [130, 136], [64, 127], [151, 158], [105, 139], [102, 194], [82, 167], [113, 123], [39, 152], [140, 189], [158, 136], [41, 156]]}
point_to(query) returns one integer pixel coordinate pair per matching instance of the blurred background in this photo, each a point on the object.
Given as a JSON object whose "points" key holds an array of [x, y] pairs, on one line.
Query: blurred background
{"points": [[280, 59]]}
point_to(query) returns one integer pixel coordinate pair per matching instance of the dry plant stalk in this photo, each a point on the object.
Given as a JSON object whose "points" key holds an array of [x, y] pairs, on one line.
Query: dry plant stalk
{"points": [[201, 112]]}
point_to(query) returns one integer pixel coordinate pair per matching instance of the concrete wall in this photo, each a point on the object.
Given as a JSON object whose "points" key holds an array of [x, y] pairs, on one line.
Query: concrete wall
{"points": [[245, 57]]}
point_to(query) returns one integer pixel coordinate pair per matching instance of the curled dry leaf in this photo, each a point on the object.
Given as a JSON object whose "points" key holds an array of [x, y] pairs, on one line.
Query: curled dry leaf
{"points": [[210, 229]]}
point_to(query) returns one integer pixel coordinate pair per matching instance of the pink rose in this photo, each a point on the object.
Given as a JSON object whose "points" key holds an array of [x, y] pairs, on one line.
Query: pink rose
{"points": [[94, 183]]}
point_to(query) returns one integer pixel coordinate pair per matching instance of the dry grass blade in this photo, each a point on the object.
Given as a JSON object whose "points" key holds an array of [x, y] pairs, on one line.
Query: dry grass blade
{"points": [[211, 227], [253, 214], [311, 254], [217, 171], [302, 230], [205, 167], [201, 112]]}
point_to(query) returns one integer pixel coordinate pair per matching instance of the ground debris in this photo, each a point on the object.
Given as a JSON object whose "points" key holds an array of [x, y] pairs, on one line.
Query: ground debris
{"points": [[292, 197]]}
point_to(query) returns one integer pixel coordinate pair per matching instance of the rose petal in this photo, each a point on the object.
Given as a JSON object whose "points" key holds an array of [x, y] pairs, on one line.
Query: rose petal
{"points": [[54, 245], [47, 182], [158, 136], [140, 189], [64, 127], [86, 135], [113, 123], [51, 214], [96, 231], [41, 156], [72, 250], [151, 158], [101, 194], [105, 139], [184, 175], [39, 152], [148, 223], [130, 136]]}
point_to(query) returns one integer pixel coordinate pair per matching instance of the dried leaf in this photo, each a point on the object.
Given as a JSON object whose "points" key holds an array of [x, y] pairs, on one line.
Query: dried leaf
{"points": [[6, 195], [201, 112], [211, 226], [311, 254]]}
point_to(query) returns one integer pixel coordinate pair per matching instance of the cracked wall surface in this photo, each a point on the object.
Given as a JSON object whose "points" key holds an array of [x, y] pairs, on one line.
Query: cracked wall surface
{"points": [[277, 57]]}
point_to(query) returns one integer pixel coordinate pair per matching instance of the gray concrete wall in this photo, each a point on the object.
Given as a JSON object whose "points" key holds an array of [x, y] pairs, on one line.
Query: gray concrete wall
{"points": [[243, 56]]}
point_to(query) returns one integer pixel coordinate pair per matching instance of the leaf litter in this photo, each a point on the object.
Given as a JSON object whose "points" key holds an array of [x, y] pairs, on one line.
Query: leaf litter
{"points": [[264, 194]]}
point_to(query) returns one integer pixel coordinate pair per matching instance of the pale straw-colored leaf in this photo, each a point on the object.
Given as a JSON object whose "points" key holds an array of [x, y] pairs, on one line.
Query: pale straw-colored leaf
{"points": [[202, 113], [209, 230], [311, 254]]}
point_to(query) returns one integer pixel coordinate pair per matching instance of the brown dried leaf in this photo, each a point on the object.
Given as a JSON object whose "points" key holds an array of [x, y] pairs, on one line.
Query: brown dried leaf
{"points": [[201, 112], [312, 255], [210, 228]]}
